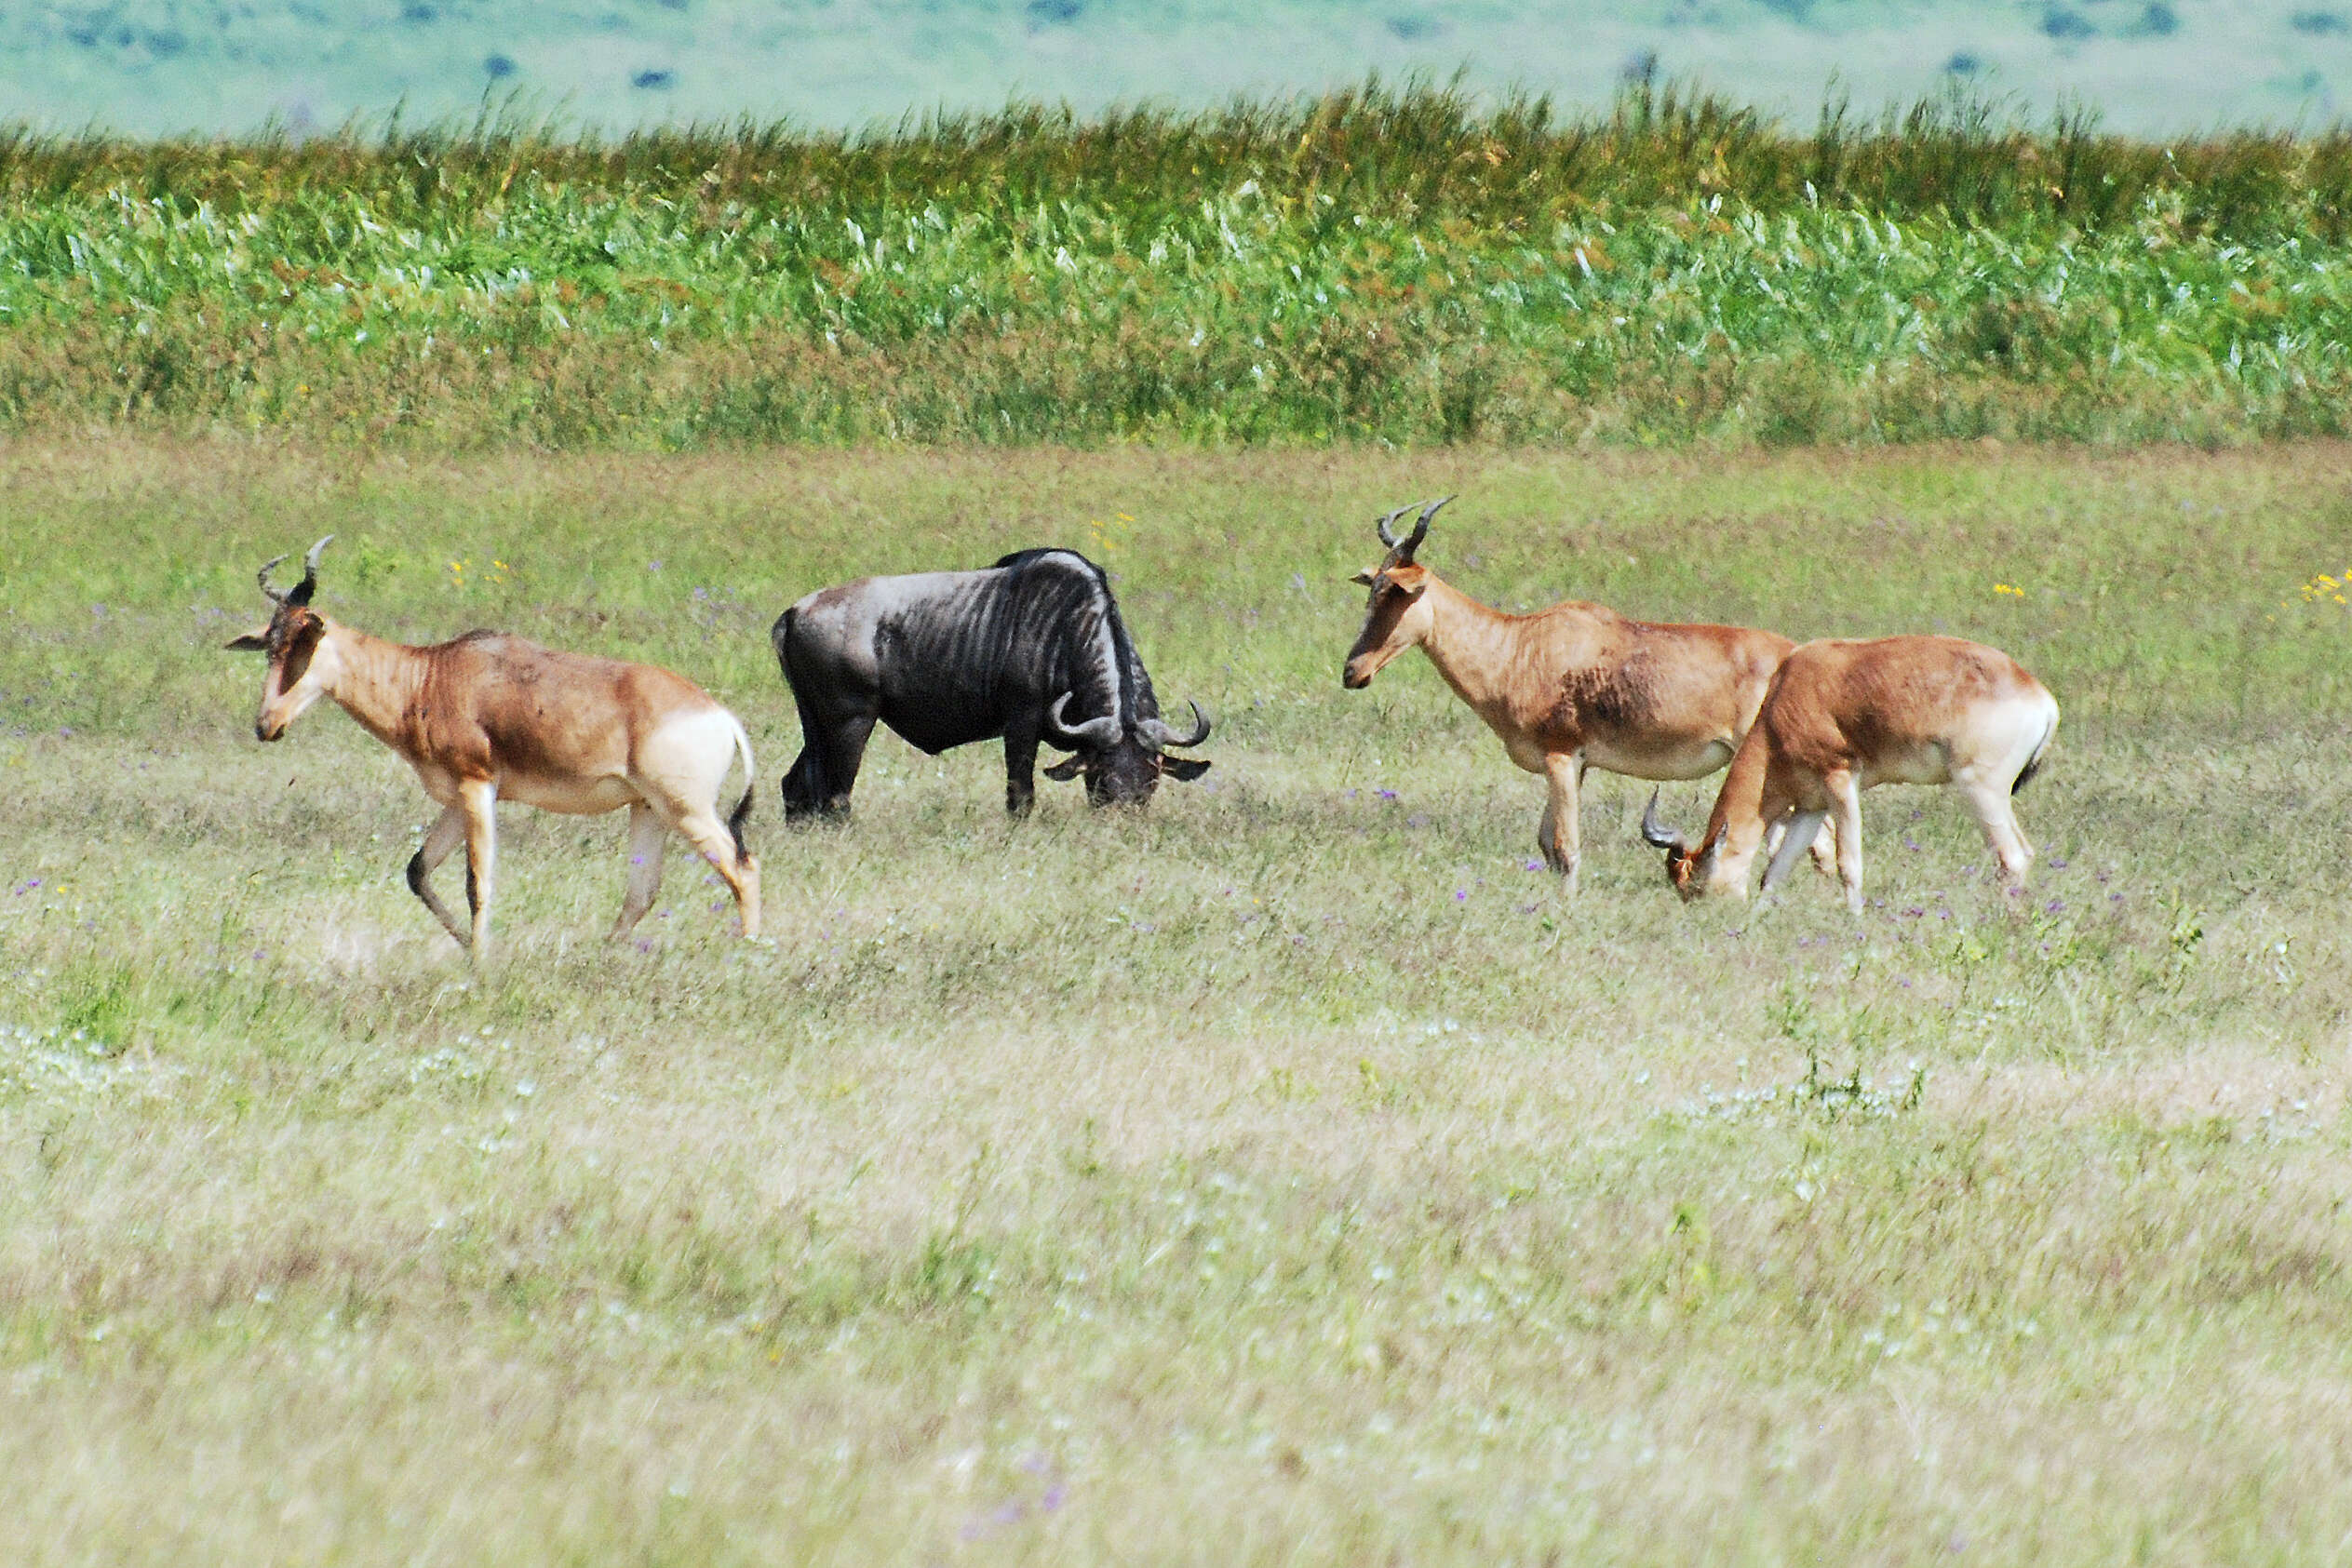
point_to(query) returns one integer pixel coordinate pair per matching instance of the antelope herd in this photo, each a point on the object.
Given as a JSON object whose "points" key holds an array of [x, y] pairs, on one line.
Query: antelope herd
{"points": [[949, 658]]}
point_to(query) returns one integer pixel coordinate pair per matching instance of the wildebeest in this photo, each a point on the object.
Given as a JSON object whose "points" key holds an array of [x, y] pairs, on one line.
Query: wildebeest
{"points": [[1844, 716], [487, 718], [1573, 686], [1031, 648]]}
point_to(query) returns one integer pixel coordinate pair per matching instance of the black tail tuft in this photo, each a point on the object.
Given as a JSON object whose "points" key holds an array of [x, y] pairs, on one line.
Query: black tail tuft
{"points": [[743, 814]]}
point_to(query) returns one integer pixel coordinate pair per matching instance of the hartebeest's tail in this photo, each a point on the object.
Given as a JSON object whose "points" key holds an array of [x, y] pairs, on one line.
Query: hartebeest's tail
{"points": [[751, 784], [2033, 763]]}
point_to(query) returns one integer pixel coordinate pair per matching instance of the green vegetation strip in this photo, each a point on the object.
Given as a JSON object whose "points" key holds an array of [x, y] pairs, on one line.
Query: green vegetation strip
{"points": [[1379, 265]]}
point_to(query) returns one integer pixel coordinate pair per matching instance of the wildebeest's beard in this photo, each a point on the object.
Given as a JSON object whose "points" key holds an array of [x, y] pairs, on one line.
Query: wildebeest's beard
{"points": [[1124, 774]]}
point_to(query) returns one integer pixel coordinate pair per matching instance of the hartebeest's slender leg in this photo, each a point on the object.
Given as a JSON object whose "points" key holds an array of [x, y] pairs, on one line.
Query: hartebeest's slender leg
{"points": [[1846, 796], [1559, 836], [712, 841], [1990, 805], [645, 868], [479, 797], [447, 833], [1799, 831]]}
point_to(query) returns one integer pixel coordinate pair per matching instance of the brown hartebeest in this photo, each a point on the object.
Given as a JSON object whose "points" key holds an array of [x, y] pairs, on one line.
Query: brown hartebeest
{"points": [[1573, 686], [489, 716], [1842, 715]]}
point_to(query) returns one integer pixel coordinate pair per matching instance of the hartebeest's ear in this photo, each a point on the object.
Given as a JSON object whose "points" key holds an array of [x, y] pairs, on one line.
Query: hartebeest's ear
{"points": [[1066, 768], [1186, 768], [1363, 577], [249, 642], [1407, 579]]}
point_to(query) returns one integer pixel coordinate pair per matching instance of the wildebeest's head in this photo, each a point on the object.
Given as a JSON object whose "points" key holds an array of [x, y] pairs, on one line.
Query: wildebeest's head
{"points": [[1122, 765], [298, 675]]}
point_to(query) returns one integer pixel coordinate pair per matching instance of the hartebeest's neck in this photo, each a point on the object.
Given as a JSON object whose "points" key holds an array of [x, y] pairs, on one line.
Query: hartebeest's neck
{"points": [[1475, 647], [1739, 814], [376, 682]]}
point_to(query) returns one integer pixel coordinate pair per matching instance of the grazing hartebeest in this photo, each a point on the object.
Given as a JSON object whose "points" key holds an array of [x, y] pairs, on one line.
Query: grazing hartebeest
{"points": [[489, 716], [1842, 715], [1573, 686], [946, 658]]}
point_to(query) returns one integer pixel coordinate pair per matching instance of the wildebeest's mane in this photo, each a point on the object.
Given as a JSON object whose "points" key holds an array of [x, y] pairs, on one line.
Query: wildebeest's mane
{"points": [[1134, 694]]}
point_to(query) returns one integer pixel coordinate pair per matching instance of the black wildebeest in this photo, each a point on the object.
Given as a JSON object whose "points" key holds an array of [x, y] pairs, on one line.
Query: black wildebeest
{"points": [[1032, 648]]}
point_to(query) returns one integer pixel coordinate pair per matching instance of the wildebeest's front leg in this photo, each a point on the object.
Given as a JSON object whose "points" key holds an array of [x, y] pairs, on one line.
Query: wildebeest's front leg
{"points": [[446, 836], [1020, 766]]}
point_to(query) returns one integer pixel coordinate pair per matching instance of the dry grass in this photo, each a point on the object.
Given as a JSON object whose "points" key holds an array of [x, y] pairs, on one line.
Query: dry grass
{"points": [[1214, 1185]]}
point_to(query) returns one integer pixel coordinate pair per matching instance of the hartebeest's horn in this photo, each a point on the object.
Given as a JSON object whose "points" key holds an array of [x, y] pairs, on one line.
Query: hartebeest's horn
{"points": [[1093, 732], [1655, 833], [1156, 733], [309, 585], [275, 595], [1401, 552], [1386, 538]]}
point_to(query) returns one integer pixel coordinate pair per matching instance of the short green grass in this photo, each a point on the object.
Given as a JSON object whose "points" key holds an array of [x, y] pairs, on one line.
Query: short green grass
{"points": [[1287, 1174]]}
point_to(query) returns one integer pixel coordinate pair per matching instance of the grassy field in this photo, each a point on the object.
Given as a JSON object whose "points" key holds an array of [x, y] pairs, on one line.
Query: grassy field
{"points": [[1286, 1175], [1406, 265]]}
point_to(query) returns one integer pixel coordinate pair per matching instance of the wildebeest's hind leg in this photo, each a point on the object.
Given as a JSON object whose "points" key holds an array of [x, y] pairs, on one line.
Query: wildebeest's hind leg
{"points": [[831, 751]]}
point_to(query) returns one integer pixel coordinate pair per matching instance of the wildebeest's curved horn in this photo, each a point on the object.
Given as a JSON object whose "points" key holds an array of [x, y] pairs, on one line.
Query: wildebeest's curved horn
{"points": [[1093, 732], [309, 585], [275, 595], [1157, 734], [1655, 833]]}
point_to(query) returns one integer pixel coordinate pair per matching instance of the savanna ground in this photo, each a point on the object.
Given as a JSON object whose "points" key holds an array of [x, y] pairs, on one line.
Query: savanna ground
{"points": [[1287, 1175]]}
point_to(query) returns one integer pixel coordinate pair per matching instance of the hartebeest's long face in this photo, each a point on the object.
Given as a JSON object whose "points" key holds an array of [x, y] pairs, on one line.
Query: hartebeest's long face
{"points": [[1396, 617], [1394, 620], [302, 665]]}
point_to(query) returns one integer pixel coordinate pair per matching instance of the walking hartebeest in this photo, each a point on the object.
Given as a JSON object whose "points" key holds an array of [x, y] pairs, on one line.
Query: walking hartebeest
{"points": [[1573, 686], [946, 658], [491, 717], [1842, 715]]}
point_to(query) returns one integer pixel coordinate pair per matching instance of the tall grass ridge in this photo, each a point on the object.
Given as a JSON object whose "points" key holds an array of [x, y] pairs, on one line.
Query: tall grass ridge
{"points": [[1389, 262]]}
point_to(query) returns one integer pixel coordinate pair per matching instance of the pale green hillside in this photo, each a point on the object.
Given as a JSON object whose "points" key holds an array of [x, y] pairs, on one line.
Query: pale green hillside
{"points": [[227, 65]]}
